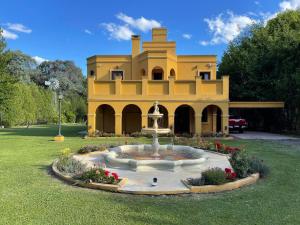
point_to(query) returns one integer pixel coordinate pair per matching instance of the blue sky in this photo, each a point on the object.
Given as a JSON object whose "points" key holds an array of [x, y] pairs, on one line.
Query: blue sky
{"points": [[75, 30]]}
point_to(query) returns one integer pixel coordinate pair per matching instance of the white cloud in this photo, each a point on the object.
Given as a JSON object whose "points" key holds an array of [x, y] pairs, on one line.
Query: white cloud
{"points": [[187, 36], [226, 29], [87, 31], [289, 5], [39, 60], [118, 32], [256, 2], [18, 27], [9, 35], [141, 23]]}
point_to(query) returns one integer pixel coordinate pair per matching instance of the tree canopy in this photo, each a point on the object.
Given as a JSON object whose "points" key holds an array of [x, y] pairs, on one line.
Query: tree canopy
{"points": [[264, 64]]}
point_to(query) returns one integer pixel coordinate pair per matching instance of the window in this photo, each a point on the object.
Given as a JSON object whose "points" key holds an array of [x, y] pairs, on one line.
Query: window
{"points": [[204, 115], [115, 73], [92, 73], [157, 73], [205, 75]]}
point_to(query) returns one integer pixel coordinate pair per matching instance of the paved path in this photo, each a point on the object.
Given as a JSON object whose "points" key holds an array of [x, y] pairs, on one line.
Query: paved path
{"points": [[262, 136]]}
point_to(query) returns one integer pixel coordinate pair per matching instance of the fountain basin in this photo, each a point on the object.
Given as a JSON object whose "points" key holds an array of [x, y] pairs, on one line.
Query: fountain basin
{"points": [[158, 131], [140, 157]]}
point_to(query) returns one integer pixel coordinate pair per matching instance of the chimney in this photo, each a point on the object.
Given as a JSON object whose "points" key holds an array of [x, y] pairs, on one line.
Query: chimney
{"points": [[135, 45], [159, 34]]}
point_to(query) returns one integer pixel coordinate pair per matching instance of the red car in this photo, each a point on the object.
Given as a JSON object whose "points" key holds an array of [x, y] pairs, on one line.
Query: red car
{"points": [[236, 123]]}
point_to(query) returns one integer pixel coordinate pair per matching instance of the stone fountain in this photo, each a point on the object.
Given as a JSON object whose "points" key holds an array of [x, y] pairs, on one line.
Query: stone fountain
{"points": [[155, 130], [155, 156]]}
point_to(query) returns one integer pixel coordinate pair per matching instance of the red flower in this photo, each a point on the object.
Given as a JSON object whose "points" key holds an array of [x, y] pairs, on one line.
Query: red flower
{"points": [[115, 175], [106, 173], [233, 175], [227, 170], [218, 145]]}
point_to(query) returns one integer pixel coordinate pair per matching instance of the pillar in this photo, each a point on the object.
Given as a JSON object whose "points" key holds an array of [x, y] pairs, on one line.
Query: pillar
{"points": [[144, 85], [91, 124], [198, 123], [214, 119], [118, 124], [171, 118], [144, 120]]}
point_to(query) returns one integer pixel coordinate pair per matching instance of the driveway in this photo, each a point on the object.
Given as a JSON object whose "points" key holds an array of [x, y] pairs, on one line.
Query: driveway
{"points": [[262, 136]]}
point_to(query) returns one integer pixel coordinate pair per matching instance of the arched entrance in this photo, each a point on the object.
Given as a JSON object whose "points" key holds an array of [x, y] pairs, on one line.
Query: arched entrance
{"points": [[211, 119], [162, 122], [157, 73], [105, 119], [184, 120], [131, 119]]}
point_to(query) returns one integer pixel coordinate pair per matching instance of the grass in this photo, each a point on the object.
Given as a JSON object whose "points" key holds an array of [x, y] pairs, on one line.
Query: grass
{"points": [[29, 194]]}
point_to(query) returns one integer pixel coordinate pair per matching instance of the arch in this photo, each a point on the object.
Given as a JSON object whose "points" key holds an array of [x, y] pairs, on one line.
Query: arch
{"points": [[105, 119], [143, 72], [172, 73], [184, 121], [162, 122], [131, 119], [157, 73], [211, 119]]}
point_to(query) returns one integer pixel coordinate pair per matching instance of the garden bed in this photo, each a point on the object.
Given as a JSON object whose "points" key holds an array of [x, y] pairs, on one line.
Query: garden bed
{"points": [[100, 186], [223, 187]]}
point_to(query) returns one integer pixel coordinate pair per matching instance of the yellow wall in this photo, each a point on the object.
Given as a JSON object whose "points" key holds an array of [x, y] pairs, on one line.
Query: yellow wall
{"points": [[185, 88]]}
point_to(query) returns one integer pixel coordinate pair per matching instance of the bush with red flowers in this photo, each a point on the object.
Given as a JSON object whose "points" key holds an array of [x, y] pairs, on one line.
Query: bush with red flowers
{"points": [[99, 175], [230, 175], [222, 148]]}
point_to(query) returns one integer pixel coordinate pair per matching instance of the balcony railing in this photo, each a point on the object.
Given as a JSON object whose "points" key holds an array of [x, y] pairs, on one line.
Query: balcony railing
{"points": [[197, 88]]}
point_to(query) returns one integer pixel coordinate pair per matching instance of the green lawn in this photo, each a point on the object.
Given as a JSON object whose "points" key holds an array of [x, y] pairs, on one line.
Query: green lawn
{"points": [[29, 194]]}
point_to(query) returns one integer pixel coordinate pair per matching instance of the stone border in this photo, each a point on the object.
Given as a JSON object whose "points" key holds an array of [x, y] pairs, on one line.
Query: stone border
{"points": [[69, 179], [223, 187], [192, 189]]}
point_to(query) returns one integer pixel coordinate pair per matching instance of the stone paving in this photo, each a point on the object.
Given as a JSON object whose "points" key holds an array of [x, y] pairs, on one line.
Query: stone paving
{"points": [[262, 136], [168, 181]]}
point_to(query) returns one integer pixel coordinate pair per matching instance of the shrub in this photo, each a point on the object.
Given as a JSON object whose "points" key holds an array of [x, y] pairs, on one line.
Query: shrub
{"points": [[214, 176], [67, 164], [99, 175], [258, 166], [91, 148], [240, 163]]}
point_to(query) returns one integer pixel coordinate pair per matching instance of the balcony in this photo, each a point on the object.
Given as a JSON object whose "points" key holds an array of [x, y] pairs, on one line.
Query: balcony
{"points": [[171, 89]]}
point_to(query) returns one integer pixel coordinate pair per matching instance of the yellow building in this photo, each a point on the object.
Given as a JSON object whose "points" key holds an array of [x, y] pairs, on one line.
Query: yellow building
{"points": [[123, 88]]}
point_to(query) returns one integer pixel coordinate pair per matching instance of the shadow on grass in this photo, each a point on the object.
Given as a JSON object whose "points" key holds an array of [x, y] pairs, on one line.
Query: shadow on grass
{"points": [[44, 131]]}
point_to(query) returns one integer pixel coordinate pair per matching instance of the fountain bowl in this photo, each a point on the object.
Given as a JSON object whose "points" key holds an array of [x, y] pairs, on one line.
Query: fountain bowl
{"points": [[140, 157], [158, 131]]}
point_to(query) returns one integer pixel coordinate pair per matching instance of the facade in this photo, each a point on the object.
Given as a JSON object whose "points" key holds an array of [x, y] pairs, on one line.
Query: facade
{"points": [[123, 88]]}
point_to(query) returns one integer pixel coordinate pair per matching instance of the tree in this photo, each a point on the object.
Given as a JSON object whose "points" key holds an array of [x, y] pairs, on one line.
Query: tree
{"points": [[21, 66], [264, 64], [70, 77]]}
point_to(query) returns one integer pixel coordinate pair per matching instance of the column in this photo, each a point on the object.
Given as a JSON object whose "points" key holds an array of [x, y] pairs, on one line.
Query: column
{"points": [[91, 124], [214, 120], [171, 122], [144, 120], [225, 128], [118, 124], [198, 123]]}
